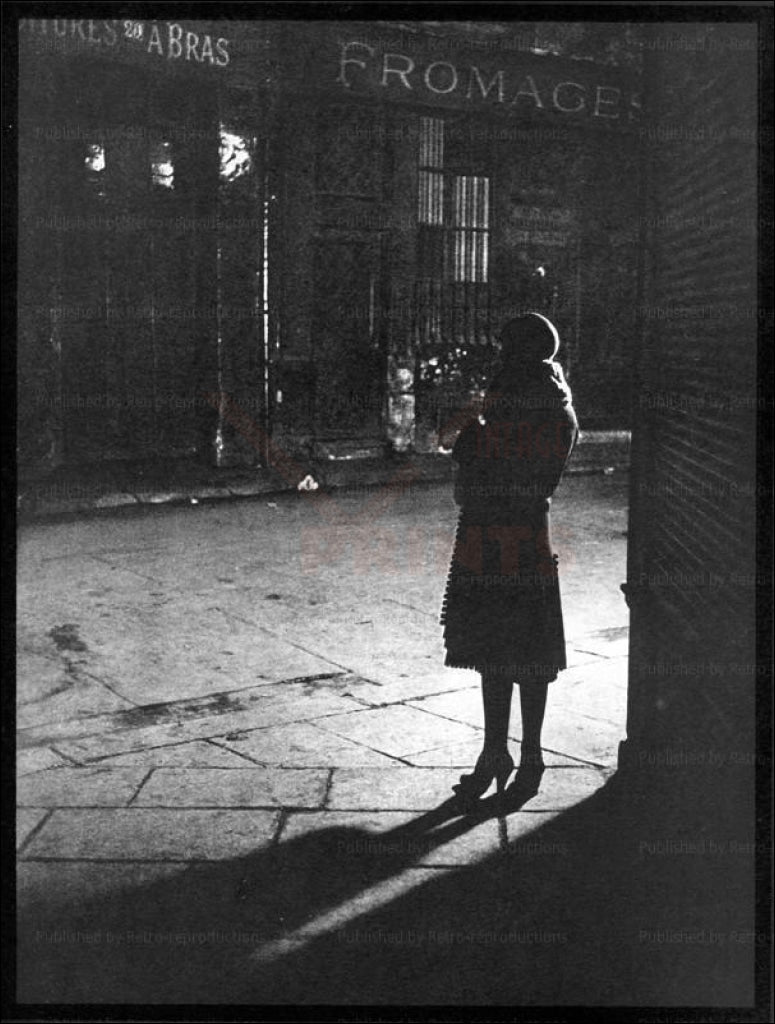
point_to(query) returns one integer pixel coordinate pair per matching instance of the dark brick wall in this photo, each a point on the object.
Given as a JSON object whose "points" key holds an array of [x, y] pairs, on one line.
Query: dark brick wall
{"points": [[693, 503]]}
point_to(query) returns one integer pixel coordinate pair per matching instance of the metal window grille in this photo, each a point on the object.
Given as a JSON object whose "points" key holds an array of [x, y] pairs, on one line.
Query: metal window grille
{"points": [[471, 215], [453, 271]]}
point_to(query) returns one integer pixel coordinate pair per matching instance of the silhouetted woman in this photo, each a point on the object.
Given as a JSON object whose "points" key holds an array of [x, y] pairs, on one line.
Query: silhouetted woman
{"points": [[502, 614]]}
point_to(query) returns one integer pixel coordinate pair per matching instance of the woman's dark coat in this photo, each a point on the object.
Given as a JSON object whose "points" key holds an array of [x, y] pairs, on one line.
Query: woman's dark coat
{"points": [[502, 611]]}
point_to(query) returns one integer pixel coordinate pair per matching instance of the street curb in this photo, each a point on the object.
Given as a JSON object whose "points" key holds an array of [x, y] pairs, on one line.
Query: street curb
{"points": [[65, 496]]}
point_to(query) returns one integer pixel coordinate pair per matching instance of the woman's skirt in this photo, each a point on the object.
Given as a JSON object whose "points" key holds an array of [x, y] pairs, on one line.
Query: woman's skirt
{"points": [[502, 612]]}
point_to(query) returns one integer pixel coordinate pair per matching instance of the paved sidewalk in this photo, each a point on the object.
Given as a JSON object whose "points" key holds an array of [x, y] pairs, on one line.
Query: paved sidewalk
{"points": [[213, 697]]}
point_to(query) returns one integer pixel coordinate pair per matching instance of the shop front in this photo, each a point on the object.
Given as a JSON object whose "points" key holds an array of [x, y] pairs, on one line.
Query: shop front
{"points": [[430, 191], [142, 181]]}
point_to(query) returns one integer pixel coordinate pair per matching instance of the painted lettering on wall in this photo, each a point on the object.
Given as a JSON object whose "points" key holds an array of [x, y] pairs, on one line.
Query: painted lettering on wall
{"points": [[362, 66], [169, 40]]}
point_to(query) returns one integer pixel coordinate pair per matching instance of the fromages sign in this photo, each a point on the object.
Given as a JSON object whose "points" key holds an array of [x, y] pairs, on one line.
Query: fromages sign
{"points": [[534, 87]]}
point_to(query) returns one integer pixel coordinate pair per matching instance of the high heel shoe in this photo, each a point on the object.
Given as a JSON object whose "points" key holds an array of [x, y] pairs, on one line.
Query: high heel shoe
{"points": [[487, 769], [527, 781]]}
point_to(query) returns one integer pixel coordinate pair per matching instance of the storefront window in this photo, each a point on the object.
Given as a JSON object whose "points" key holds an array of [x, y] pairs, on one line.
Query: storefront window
{"points": [[456, 207], [162, 169], [235, 155], [471, 212], [94, 162], [453, 259], [431, 142], [431, 198], [95, 158]]}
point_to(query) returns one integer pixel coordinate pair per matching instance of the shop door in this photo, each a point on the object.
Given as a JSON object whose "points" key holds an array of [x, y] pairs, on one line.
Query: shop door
{"points": [[136, 283], [348, 355], [348, 350]]}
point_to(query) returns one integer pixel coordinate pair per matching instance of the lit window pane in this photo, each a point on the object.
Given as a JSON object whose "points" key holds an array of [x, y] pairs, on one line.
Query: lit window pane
{"points": [[95, 158], [471, 201], [470, 256], [431, 142], [235, 155], [94, 163], [431, 198], [162, 169]]}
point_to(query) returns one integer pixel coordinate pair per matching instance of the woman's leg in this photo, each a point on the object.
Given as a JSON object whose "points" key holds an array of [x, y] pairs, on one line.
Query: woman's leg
{"points": [[532, 699], [496, 701], [494, 762]]}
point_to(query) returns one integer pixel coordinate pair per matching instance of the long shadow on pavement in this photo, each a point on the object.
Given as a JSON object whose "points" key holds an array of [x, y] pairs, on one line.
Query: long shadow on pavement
{"points": [[599, 906]]}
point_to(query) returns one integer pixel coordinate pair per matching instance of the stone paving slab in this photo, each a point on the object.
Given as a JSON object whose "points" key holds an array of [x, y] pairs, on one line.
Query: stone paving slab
{"points": [[79, 787], [178, 721], [144, 833], [82, 697], [400, 686], [375, 618], [46, 888], [39, 673], [604, 648], [375, 655], [95, 747], [27, 818], [582, 616], [601, 695], [339, 921], [196, 754], [463, 756], [394, 665], [221, 561], [372, 603], [370, 839], [391, 789], [234, 787], [588, 727], [301, 745], [77, 585], [397, 729], [126, 624], [603, 674], [587, 738], [562, 788], [579, 660], [37, 759], [50, 689], [412, 604], [426, 788], [134, 652], [513, 833], [271, 601], [460, 705]]}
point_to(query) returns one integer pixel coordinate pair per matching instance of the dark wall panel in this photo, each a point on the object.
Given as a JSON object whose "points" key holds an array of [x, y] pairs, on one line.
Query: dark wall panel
{"points": [[692, 552]]}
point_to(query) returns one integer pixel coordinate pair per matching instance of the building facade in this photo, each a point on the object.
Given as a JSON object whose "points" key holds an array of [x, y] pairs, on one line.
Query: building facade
{"points": [[323, 225]]}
